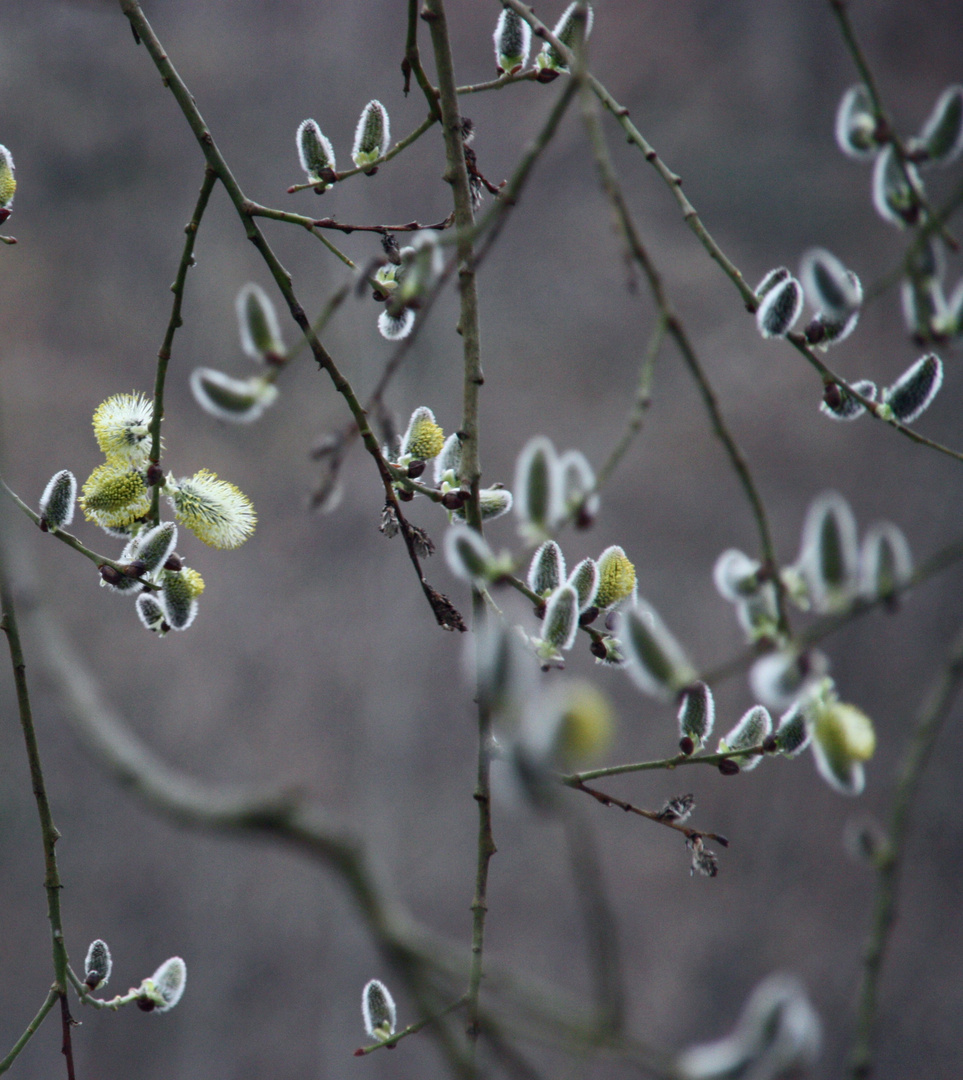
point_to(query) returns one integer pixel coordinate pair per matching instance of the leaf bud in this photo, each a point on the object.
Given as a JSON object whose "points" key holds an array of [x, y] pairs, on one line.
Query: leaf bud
{"points": [[792, 736], [566, 30], [513, 39], [696, 714], [98, 965], [885, 562], [777, 1036], [914, 390], [841, 405], [538, 488], [856, 124], [942, 135], [751, 730], [372, 136], [151, 613], [378, 1011], [258, 324], [163, 990], [57, 501], [842, 739], [547, 570], [560, 624], [654, 659], [735, 575], [897, 189], [829, 558], [315, 152], [780, 307], [237, 400], [585, 579]]}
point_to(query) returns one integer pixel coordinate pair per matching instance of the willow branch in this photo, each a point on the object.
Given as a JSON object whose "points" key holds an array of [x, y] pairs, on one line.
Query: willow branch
{"points": [[173, 324], [49, 832]]}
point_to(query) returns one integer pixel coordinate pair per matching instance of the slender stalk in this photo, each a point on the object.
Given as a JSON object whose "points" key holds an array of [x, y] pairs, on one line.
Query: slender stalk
{"points": [[651, 815], [933, 715], [456, 174], [670, 763], [798, 341], [412, 63], [69, 539], [52, 998], [49, 832], [640, 406], [173, 324], [638, 253]]}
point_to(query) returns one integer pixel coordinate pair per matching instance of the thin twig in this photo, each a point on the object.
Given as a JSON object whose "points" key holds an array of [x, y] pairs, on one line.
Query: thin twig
{"points": [[677, 331], [651, 815], [49, 832], [391, 1042], [51, 999], [456, 174], [71, 541], [173, 324]]}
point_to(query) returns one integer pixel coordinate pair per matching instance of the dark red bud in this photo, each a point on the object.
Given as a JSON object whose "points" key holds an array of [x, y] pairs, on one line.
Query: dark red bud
{"points": [[136, 568], [405, 495], [815, 332], [686, 745], [155, 475], [832, 395], [145, 1004], [174, 562], [728, 767], [110, 575], [44, 527], [588, 616], [597, 648], [769, 744], [415, 469], [454, 500]]}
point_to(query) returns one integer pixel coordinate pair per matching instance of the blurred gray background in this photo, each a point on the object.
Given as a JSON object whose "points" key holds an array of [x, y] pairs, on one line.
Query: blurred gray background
{"points": [[315, 661]]}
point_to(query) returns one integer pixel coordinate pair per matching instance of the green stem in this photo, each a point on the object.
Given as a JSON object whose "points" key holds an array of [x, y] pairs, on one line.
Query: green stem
{"points": [[52, 998], [412, 62], [456, 174], [676, 330], [577, 779], [173, 324], [70, 540], [49, 833]]}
